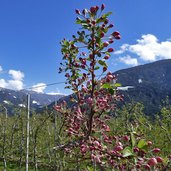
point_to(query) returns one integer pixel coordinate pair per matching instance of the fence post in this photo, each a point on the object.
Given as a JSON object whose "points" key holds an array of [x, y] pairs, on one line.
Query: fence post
{"points": [[28, 131]]}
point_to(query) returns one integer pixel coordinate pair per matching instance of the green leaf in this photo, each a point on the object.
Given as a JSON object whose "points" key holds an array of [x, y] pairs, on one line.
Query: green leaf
{"points": [[142, 143], [98, 40], [132, 139], [96, 68], [111, 91], [102, 63], [165, 160], [106, 15], [127, 151], [78, 21], [106, 85], [107, 53], [90, 168], [118, 85]]}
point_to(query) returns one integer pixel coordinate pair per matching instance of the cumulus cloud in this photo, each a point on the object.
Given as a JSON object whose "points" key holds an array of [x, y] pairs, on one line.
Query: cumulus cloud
{"points": [[39, 87], [148, 48], [16, 75], [3, 83], [15, 84], [16, 81], [129, 60]]}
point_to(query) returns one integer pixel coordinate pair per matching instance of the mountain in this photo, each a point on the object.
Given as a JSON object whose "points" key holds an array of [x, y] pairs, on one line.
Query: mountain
{"points": [[149, 84], [13, 99]]}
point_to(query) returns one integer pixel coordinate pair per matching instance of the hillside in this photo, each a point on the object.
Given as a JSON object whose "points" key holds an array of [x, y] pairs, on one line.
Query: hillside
{"points": [[149, 84], [13, 99]]}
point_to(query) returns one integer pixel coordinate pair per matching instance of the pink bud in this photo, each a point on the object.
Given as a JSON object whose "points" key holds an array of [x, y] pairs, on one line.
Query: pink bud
{"points": [[159, 159], [96, 143], [111, 41], [110, 50], [107, 129], [138, 166], [93, 9], [110, 26], [106, 21], [106, 57], [97, 8], [109, 77], [67, 75], [156, 150], [116, 35], [92, 156], [102, 7], [77, 11], [84, 12], [88, 20], [119, 148], [102, 34], [104, 69], [93, 22], [136, 150], [105, 44], [83, 61], [126, 138], [149, 143], [90, 100], [146, 166], [152, 161]]}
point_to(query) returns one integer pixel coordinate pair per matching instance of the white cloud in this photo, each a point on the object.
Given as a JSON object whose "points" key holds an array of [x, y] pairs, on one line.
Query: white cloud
{"points": [[148, 48], [39, 87], [3, 83], [129, 60], [16, 75], [16, 83]]}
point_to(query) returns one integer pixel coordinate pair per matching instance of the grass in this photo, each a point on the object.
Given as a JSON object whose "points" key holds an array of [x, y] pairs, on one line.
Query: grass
{"points": [[15, 167]]}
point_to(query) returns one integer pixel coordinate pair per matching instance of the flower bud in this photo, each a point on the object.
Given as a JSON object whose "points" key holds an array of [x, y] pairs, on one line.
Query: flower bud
{"points": [[77, 11], [116, 35], [102, 7], [93, 10], [110, 26], [152, 161], [156, 150], [110, 50], [159, 159], [105, 44], [102, 34], [106, 57]]}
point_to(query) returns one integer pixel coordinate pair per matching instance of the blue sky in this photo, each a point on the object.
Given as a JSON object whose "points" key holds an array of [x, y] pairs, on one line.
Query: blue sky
{"points": [[30, 32]]}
